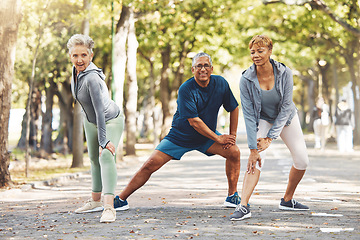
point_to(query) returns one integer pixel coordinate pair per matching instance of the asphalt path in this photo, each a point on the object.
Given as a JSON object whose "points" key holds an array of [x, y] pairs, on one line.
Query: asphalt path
{"points": [[183, 200]]}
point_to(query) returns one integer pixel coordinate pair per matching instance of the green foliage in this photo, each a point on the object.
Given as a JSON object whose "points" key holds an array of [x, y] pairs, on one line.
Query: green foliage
{"points": [[302, 35]]}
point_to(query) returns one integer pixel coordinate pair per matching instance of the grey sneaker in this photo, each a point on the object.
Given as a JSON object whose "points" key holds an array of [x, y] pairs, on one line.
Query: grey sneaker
{"points": [[241, 212], [108, 215], [292, 205], [90, 206]]}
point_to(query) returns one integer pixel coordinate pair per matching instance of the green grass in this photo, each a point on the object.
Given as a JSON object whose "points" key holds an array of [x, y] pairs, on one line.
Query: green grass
{"points": [[42, 169], [18, 176]]}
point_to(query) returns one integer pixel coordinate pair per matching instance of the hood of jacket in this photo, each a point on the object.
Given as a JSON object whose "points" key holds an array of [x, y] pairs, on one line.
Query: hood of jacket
{"points": [[250, 73], [92, 68]]}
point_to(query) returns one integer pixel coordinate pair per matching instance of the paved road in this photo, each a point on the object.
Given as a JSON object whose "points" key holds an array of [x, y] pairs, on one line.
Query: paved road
{"points": [[183, 200]]}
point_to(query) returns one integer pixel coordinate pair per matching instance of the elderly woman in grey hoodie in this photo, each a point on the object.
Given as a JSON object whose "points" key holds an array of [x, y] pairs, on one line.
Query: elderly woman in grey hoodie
{"points": [[266, 98], [103, 123]]}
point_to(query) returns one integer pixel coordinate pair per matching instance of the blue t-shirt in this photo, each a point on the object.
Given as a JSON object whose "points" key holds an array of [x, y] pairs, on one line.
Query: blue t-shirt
{"points": [[195, 101]]}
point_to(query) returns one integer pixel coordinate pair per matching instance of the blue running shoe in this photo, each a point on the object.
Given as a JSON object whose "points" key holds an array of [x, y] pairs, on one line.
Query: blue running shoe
{"points": [[120, 205], [232, 201]]}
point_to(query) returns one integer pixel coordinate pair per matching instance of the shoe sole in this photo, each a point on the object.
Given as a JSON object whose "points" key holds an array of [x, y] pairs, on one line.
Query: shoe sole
{"points": [[97, 209], [229, 205], [122, 208], [244, 217], [292, 209], [107, 221]]}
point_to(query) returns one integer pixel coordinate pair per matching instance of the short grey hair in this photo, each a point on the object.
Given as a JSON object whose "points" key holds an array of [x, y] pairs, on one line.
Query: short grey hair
{"points": [[201, 54], [82, 40]]}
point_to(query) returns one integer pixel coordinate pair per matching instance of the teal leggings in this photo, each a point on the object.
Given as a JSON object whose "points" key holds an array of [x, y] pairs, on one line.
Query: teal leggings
{"points": [[103, 169]]}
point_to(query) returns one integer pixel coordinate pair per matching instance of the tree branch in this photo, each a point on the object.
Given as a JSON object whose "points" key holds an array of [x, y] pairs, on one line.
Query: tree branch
{"points": [[319, 4], [327, 10], [287, 2]]}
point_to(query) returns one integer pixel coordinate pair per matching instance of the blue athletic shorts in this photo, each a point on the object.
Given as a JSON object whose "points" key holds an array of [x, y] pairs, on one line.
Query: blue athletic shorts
{"points": [[177, 151]]}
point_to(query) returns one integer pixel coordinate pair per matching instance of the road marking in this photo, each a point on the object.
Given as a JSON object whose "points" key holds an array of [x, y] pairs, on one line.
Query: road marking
{"points": [[326, 215], [321, 199], [332, 230]]}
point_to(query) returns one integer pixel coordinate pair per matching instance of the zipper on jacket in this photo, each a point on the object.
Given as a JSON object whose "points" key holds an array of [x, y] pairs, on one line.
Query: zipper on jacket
{"points": [[76, 92]]}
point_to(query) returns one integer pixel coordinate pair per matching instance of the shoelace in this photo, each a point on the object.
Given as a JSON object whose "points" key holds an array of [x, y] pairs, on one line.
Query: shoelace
{"points": [[235, 199], [293, 202], [241, 208], [118, 202], [107, 209]]}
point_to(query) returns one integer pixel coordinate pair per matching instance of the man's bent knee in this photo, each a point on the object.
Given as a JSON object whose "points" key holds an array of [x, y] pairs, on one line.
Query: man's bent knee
{"points": [[233, 153], [154, 163]]}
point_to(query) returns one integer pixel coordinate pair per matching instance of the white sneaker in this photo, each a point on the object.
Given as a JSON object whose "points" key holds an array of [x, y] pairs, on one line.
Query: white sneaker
{"points": [[90, 206], [108, 215]]}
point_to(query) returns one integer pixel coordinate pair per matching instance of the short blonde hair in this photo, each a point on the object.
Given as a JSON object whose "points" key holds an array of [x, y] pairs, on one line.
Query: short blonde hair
{"points": [[262, 41], [82, 40]]}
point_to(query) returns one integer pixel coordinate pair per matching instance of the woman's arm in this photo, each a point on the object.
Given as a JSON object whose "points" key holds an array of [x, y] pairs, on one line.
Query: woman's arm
{"points": [[247, 106], [94, 88]]}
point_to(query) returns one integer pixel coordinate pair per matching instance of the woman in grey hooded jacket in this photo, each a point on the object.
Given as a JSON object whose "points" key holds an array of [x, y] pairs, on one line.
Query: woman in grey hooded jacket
{"points": [[103, 123], [269, 111]]}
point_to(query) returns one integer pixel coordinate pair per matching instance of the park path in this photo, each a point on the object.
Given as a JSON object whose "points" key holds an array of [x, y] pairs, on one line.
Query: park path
{"points": [[183, 200]]}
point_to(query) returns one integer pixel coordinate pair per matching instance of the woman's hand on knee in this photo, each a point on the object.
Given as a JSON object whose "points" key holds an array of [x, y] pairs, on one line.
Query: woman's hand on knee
{"points": [[109, 146], [263, 143], [253, 159]]}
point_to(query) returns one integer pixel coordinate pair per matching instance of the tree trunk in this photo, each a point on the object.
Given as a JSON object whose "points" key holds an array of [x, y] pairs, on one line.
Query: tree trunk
{"points": [[164, 91], [335, 83], [120, 58], [355, 89], [149, 106], [30, 111], [46, 146], [119, 64], [22, 141], [35, 115], [131, 103], [351, 63], [311, 102], [63, 142], [10, 17], [186, 48]]}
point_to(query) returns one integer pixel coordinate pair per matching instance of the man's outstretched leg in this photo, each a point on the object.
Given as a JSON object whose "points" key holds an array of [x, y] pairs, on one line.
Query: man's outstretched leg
{"points": [[155, 162]]}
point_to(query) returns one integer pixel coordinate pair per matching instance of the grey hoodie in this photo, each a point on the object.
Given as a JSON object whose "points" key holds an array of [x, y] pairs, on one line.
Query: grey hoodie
{"points": [[92, 93], [250, 94]]}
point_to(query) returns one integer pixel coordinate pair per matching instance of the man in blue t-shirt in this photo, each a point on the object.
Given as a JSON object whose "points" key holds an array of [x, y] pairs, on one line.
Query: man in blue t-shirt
{"points": [[194, 128]]}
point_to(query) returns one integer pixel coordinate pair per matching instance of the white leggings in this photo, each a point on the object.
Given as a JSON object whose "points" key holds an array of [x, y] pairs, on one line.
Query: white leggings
{"points": [[293, 138]]}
